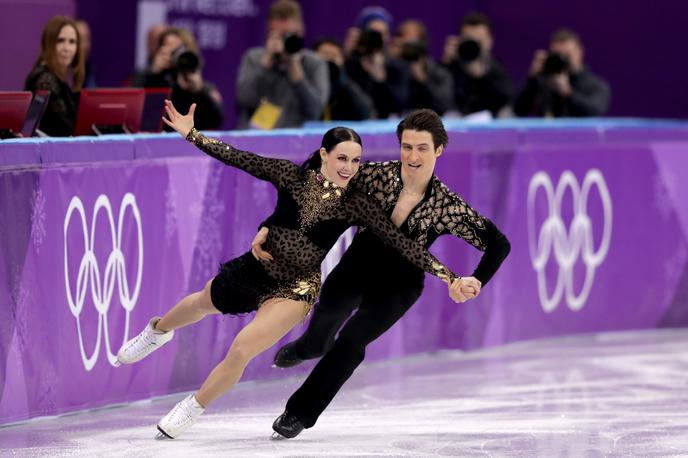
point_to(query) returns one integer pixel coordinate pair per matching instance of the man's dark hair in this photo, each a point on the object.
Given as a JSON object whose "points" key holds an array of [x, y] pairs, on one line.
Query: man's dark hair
{"points": [[565, 34], [475, 18], [327, 40], [425, 120]]}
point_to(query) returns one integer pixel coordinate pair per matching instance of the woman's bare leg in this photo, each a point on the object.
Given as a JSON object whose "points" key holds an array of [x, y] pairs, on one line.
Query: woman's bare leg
{"points": [[272, 321], [191, 309]]}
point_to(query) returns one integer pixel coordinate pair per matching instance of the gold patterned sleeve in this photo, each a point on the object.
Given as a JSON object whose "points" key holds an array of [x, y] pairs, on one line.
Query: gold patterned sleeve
{"points": [[365, 211], [277, 171], [466, 223]]}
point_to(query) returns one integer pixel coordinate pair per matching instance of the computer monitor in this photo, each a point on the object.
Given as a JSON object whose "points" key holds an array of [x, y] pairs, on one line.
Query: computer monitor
{"points": [[13, 108], [154, 108], [108, 111], [36, 110]]}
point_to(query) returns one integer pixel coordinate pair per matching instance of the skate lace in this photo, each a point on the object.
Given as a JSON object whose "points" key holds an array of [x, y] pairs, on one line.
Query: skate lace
{"points": [[182, 413], [143, 341]]}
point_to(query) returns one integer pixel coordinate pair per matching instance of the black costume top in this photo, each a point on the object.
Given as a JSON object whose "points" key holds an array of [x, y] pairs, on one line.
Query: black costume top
{"points": [[60, 115], [440, 212], [310, 215]]}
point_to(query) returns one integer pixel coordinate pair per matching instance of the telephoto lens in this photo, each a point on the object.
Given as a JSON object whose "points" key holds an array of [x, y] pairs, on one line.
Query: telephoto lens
{"points": [[555, 64], [293, 44], [468, 50], [185, 61]]}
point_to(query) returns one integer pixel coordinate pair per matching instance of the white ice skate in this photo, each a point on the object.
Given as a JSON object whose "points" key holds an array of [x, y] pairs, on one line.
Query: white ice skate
{"points": [[143, 344], [180, 418]]}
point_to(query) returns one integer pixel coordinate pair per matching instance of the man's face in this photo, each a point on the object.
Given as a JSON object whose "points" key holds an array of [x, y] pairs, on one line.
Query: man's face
{"points": [[479, 33], [331, 53], [285, 27], [410, 32], [418, 153], [571, 50]]}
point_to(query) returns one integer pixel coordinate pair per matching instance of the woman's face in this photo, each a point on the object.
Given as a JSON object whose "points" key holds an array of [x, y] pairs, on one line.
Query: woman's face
{"points": [[342, 163], [66, 46]]}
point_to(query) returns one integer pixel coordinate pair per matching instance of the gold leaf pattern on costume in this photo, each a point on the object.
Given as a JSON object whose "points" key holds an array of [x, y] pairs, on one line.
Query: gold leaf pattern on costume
{"points": [[442, 211], [317, 199]]}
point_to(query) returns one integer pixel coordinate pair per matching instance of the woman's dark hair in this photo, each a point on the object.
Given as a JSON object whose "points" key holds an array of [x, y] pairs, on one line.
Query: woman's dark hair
{"points": [[332, 138]]}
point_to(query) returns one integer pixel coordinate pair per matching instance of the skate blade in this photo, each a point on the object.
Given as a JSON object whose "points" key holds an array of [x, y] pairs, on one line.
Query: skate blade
{"points": [[277, 437], [161, 436]]}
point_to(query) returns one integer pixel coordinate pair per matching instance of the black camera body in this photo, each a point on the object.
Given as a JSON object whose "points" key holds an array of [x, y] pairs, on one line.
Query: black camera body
{"points": [[468, 50], [414, 51], [292, 44], [185, 61], [555, 64], [369, 42]]}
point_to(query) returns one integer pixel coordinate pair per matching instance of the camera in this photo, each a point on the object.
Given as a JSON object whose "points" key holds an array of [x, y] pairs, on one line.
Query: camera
{"points": [[185, 61], [413, 51], [555, 64], [369, 42], [468, 50], [292, 44]]}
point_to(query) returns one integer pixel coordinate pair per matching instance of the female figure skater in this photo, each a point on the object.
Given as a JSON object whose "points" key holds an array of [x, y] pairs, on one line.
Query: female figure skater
{"points": [[314, 206]]}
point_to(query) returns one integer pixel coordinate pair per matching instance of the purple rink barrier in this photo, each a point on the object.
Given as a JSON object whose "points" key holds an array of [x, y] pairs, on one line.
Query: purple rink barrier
{"points": [[91, 250]]}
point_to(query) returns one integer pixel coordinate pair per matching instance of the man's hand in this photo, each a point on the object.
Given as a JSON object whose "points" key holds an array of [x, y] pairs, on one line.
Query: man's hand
{"points": [[374, 65], [463, 289], [256, 245], [450, 53], [476, 68], [538, 62], [295, 71], [418, 71], [274, 46], [561, 84], [351, 40]]}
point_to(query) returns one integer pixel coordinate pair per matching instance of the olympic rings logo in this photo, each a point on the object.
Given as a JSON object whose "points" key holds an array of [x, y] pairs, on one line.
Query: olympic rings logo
{"points": [[569, 245], [90, 272]]}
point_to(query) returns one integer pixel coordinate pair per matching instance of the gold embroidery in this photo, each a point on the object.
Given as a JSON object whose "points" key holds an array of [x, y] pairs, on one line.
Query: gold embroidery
{"points": [[305, 290], [318, 197]]}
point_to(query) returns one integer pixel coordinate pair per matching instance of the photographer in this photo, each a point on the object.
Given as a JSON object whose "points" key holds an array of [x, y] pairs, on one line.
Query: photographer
{"points": [[282, 84], [177, 64], [480, 82], [347, 101], [431, 85], [386, 80], [559, 85]]}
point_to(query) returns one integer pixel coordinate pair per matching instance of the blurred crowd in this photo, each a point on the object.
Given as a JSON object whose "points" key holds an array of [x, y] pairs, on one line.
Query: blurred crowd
{"points": [[378, 70]]}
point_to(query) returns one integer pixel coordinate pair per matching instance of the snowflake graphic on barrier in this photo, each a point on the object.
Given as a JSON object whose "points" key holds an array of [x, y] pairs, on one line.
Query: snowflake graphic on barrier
{"points": [[209, 242], [170, 212], [38, 219]]}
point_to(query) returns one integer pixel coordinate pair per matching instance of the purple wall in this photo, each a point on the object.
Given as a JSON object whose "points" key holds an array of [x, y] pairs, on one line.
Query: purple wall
{"points": [[633, 44]]}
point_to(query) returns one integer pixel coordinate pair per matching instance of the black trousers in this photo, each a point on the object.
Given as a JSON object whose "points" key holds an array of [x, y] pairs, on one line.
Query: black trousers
{"points": [[382, 285]]}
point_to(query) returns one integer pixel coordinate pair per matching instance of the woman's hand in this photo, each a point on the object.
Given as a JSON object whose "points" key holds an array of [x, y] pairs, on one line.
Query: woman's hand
{"points": [[256, 245], [182, 124], [463, 289]]}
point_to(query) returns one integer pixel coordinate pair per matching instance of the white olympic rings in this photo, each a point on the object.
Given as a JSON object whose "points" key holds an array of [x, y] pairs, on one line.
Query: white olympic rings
{"points": [[567, 245], [90, 272]]}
